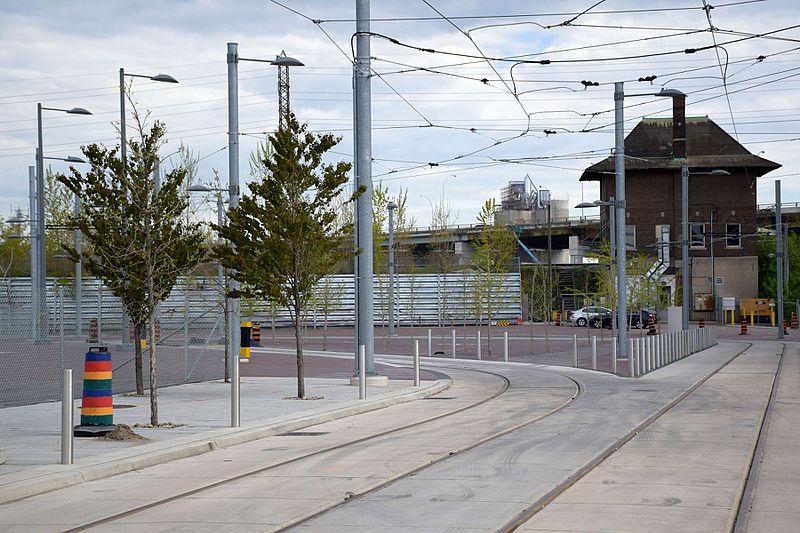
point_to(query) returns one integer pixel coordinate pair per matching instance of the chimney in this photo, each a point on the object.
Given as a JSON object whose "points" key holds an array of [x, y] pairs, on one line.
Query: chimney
{"points": [[679, 127]]}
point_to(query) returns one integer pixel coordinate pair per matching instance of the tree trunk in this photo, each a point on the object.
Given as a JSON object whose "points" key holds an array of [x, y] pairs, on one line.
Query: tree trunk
{"points": [[137, 350], [298, 337], [153, 374], [325, 333]]}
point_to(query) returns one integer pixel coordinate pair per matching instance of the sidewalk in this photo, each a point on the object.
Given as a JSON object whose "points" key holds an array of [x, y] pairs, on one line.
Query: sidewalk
{"points": [[201, 411]]}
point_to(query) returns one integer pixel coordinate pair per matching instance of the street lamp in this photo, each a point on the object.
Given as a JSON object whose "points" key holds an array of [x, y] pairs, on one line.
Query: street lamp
{"points": [[39, 281], [163, 78], [619, 186], [123, 140]]}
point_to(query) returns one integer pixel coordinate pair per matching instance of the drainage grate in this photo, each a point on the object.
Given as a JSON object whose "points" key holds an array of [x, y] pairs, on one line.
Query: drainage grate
{"points": [[303, 434]]}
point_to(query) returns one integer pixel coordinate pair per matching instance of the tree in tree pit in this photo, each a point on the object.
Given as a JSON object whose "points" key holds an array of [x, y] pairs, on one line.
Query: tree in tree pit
{"points": [[139, 240], [285, 235]]}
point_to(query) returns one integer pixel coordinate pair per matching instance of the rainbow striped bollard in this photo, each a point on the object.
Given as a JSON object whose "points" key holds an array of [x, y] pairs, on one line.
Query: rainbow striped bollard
{"points": [[97, 410]]}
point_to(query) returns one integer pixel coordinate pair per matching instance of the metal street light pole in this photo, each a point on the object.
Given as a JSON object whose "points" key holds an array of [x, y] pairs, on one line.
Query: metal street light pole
{"points": [[283, 62], [78, 272], [123, 147], [40, 300], [391, 206]]}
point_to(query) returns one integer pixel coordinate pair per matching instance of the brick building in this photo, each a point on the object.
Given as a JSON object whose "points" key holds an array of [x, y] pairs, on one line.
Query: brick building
{"points": [[722, 209]]}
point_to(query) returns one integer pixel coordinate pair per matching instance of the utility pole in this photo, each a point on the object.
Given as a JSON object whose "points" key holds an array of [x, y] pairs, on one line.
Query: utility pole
{"points": [[363, 157]]}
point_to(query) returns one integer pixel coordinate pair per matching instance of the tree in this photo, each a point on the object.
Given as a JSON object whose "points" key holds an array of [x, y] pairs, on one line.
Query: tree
{"points": [[140, 241], [442, 251], [285, 236], [767, 268], [494, 248]]}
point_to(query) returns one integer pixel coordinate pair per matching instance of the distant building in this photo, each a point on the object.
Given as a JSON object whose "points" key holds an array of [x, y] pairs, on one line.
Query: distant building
{"points": [[722, 209]]}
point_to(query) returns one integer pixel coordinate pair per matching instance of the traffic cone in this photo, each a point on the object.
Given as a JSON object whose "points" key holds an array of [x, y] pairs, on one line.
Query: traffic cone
{"points": [[795, 324], [97, 409], [744, 327], [785, 326], [256, 334], [651, 326], [558, 318], [702, 323]]}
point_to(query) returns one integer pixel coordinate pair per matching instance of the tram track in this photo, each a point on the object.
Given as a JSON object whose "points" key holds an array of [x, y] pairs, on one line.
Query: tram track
{"points": [[506, 384]]}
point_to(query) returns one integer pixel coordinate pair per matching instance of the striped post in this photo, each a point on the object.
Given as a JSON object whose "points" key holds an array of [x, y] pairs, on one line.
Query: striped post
{"points": [[97, 408]]}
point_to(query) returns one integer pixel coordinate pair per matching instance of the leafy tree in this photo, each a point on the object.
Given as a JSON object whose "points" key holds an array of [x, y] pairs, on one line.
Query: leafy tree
{"points": [[494, 248], [442, 251], [767, 273], [327, 297], [284, 236], [140, 242]]}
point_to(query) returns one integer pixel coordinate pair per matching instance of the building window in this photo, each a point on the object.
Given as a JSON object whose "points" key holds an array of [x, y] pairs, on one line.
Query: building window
{"points": [[630, 237], [697, 234], [662, 243], [733, 235]]}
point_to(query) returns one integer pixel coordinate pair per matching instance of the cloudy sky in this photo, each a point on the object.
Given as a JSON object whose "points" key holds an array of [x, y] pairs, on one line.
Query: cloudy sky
{"points": [[480, 122]]}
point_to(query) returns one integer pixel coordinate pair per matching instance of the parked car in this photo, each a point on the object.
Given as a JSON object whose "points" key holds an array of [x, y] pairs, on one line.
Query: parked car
{"points": [[587, 315], [638, 320]]}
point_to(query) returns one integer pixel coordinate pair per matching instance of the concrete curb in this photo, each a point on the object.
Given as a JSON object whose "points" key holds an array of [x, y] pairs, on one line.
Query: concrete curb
{"points": [[51, 477]]}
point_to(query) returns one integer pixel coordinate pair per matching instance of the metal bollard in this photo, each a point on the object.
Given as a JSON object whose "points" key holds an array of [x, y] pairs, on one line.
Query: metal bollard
{"points": [[594, 352], [430, 343], [613, 355], [639, 356], [416, 363], [630, 358], [575, 351], [67, 418], [478, 348], [505, 346], [453, 342], [362, 372]]}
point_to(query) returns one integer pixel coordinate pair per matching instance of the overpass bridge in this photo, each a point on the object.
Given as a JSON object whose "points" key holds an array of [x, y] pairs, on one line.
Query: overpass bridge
{"points": [[535, 236]]}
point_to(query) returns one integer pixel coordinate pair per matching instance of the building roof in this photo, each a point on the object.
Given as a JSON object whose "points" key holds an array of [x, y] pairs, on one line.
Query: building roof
{"points": [[649, 147]]}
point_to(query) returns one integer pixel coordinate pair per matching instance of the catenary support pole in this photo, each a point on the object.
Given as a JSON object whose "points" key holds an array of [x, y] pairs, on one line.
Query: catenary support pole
{"points": [[233, 197], [363, 158], [686, 282], [619, 194], [391, 206], [779, 255]]}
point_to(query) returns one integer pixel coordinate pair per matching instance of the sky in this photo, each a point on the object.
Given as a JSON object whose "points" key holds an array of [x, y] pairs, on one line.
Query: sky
{"points": [[447, 123]]}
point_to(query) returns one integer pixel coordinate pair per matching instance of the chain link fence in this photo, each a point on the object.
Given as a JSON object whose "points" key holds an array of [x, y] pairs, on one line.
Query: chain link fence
{"points": [[190, 324]]}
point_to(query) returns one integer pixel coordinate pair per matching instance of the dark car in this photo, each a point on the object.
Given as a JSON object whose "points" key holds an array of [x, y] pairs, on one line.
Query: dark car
{"points": [[638, 320]]}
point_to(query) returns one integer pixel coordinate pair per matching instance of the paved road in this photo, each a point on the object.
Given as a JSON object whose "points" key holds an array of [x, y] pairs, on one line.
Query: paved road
{"points": [[542, 448]]}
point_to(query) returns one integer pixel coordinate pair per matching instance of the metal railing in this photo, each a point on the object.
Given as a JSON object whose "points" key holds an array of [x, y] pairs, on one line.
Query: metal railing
{"points": [[652, 352]]}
